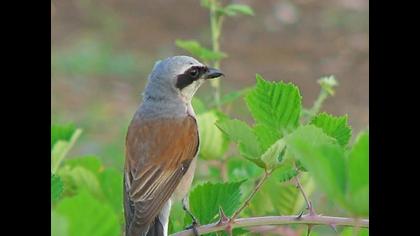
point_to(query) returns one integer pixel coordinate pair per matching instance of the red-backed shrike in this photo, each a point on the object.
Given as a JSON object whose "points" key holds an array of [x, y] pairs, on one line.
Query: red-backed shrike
{"points": [[162, 144]]}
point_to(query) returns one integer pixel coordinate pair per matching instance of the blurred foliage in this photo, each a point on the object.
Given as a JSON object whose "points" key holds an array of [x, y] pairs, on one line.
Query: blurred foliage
{"points": [[94, 57], [195, 49], [81, 189]]}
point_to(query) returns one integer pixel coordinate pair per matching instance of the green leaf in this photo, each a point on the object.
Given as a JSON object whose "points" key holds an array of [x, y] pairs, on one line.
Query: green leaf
{"points": [[235, 9], [275, 104], [348, 231], [265, 135], [198, 106], [328, 84], [239, 132], [205, 200], [61, 132], [87, 216], [59, 224], [91, 163], [273, 156], [358, 176], [286, 170], [177, 218], [56, 187], [239, 169], [280, 198], [213, 143], [336, 127], [60, 146], [322, 157], [199, 51], [111, 184], [79, 178]]}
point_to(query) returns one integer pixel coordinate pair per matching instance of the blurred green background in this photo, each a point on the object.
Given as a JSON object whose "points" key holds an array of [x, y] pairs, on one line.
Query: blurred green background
{"points": [[103, 50]]}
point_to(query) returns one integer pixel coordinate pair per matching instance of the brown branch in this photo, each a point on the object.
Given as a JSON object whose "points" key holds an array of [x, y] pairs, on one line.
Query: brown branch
{"points": [[278, 220], [309, 205]]}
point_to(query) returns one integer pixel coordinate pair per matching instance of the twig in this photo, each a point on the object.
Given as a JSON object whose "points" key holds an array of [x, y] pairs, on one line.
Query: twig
{"points": [[308, 202], [278, 220], [246, 203]]}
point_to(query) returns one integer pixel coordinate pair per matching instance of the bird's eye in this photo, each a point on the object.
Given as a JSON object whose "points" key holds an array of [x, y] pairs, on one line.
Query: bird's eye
{"points": [[194, 73]]}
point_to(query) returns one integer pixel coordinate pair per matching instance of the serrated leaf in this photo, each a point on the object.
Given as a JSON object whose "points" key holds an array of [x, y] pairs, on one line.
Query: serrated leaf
{"points": [[87, 216], [61, 147], [265, 135], [199, 51], [275, 104], [205, 200], [358, 176], [239, 132], [335, 126], [213, 143], [235, 9], [322, 156], [56, 187], [273, 156]]}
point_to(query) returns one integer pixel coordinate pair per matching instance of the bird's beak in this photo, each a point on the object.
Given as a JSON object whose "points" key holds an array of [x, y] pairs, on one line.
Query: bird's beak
{"points": [[213, 73]]}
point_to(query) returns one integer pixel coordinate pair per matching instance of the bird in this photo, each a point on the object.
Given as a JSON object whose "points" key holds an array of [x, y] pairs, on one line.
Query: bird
{"points": [[162, 144]]}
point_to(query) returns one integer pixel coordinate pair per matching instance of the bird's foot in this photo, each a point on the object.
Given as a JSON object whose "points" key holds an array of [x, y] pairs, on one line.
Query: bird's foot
{"points": [[193, 226], [195, 223]]}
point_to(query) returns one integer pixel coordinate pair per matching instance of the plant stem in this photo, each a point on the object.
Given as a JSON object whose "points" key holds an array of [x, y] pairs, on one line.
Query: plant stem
{"points": [[278, 220], [308, 202], [246, 203], [318, 104], [215, 26]]}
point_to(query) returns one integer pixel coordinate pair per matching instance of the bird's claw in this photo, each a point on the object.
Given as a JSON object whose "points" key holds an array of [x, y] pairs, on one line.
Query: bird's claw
{"points": [[193, 226]]}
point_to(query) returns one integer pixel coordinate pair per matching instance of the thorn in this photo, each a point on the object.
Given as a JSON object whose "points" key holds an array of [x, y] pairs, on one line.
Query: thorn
{"points": [[334, 227], [223, 219], [299, 216]]}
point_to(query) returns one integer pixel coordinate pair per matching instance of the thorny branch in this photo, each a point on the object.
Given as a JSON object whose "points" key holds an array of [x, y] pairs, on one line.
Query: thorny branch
{"points": [[277, 220]]}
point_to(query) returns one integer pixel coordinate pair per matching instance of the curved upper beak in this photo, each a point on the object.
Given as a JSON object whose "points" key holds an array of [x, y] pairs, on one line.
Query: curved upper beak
{"points": [[213, 73]]}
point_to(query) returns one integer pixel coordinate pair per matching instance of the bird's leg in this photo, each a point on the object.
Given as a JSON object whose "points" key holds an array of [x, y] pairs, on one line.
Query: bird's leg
{"points": [[194, 220]]}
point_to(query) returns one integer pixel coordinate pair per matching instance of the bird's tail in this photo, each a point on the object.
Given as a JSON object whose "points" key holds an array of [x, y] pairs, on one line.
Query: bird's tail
{"points": [[156, 228]]}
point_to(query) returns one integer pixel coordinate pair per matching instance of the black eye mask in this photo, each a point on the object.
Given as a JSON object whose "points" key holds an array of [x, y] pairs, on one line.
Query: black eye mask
{"points": [[189, 76]]}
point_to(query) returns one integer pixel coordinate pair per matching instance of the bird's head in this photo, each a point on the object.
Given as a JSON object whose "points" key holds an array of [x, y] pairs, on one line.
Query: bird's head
{"points": [[178, 77]]}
